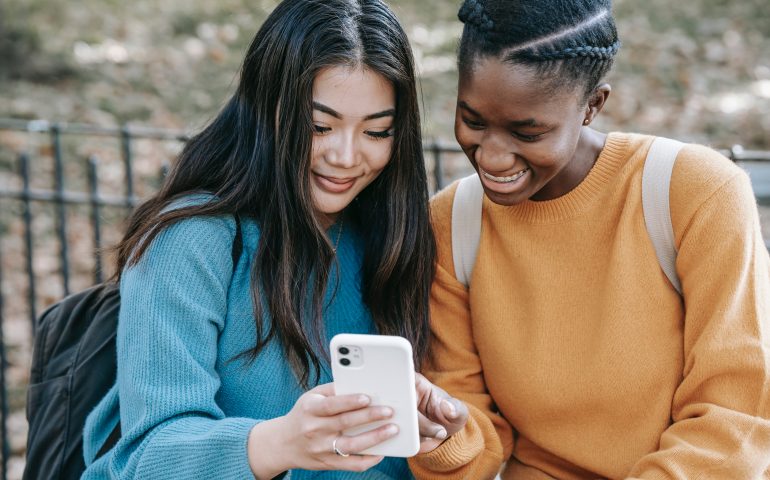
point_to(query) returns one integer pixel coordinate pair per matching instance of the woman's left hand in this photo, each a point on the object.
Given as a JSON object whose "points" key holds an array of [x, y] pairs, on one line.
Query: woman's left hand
{"points": [[440, 414]]}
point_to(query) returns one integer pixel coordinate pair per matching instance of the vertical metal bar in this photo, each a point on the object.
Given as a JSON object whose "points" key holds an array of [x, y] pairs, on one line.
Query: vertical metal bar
{"points": [[3, 385], [128, 162], [93, 181], [438, 171], [28, 243], [61, 209]]}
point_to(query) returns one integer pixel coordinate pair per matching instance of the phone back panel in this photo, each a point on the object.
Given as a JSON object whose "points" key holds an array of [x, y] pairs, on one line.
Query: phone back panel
{"points": [[381, 367]]}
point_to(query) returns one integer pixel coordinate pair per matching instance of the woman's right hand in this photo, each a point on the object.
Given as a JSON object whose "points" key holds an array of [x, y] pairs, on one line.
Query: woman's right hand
{"points": [[305, 437]]}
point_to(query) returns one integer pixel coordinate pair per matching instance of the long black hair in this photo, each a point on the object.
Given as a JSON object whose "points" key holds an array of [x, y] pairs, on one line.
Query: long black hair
{"points": [[255, 158], [569, 42]]}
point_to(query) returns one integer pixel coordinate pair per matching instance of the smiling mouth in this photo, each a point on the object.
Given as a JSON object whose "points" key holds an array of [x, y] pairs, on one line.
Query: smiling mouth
{"points": [[508, 179], [334, 185]]}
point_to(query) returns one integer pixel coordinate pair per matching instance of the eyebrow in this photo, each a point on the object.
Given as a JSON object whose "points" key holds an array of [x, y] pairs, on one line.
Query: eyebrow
{"points": [[529, 122], [391, 112]]}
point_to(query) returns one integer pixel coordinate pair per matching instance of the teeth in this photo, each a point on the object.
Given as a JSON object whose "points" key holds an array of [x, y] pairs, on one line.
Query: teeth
{"points": [[508, 179]]}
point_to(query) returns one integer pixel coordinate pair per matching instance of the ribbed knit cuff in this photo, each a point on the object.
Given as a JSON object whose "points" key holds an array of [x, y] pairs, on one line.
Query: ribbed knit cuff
{"points": [[200, 449], [457, 451]]}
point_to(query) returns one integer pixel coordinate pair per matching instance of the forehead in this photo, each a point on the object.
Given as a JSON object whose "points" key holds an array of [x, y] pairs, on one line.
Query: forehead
{"points": [[353, 91], [496, 88]]}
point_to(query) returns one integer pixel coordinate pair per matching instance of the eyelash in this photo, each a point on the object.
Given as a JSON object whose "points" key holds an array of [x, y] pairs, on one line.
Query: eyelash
{"points": [[374, 135], [473, 125], [380, 135]]}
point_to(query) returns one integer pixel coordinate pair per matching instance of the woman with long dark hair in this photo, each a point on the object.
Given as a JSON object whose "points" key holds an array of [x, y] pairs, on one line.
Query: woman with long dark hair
{"points": [[315, 167]]}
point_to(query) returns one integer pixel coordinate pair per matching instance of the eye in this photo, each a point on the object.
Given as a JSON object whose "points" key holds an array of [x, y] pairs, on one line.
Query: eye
{"points": [[320, 130], [379, 135], [473, 124], [527, 138]]}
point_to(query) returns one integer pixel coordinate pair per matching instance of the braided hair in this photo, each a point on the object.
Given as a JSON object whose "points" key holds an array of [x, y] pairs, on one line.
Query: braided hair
{"points": [[567, 42]]}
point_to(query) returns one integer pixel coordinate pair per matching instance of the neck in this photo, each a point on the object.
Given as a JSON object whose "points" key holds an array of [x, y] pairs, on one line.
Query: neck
{"points": [[327, 219]]}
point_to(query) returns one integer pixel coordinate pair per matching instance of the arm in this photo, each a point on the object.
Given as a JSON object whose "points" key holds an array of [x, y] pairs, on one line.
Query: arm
{"points": [[721, 409], [173, 306], [174, 303], [486, 441]]}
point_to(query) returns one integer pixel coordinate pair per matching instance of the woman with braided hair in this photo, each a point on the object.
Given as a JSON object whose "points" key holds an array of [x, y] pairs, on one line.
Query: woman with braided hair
{"points": [[576, 356]]}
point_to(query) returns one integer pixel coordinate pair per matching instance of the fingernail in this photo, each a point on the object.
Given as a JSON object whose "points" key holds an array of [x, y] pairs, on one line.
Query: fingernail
{"points": [[441, 434], [391, 429], [386, 412], [363, 400], [452, 409]]}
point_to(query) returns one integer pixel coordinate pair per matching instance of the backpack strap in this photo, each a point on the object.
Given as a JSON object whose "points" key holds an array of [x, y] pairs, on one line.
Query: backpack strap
{"points": [[656, 185], [466, 226]]}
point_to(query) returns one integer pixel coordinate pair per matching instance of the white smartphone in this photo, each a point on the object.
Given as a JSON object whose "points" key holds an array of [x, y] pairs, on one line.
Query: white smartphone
{"points": [[381, 367]]}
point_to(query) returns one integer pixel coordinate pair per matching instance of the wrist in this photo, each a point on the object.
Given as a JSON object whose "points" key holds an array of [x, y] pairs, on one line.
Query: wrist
{"points": [[267, 450]]}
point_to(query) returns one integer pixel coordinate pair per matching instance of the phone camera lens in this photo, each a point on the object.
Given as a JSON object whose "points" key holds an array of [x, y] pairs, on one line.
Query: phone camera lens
{"points": [[344, 350], [345, 362]]}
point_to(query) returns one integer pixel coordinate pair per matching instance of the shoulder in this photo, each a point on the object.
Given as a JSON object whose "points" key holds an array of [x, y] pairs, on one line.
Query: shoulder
{"points": [[201, 241], [700, 170], [703, 180], [197, 231]]}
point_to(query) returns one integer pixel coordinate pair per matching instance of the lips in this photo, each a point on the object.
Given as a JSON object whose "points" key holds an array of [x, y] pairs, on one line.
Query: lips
{"points": [[334, 184], [505, 179], [504, 185]]}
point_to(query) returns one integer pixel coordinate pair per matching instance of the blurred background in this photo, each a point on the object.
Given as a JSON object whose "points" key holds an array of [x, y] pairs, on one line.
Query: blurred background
{"points": [[96, 97]]}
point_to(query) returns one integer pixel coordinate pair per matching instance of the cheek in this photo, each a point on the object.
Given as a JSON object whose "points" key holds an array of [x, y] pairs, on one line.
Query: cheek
{"points": [[317, 147], [465, 136], [378, 155]]}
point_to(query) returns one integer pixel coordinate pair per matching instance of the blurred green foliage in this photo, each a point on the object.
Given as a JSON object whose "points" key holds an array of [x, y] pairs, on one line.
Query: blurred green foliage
{"points": [[699, 70]]}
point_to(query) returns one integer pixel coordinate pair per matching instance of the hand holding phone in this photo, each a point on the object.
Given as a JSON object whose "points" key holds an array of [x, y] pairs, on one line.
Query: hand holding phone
{"points": [[380, 367]]}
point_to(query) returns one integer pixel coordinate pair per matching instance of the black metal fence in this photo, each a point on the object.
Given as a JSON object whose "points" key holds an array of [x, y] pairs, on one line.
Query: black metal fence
{"points": [[443, 161]]}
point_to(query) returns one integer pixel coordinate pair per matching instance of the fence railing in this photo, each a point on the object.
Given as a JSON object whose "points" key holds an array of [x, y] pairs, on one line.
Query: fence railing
{"points": [[94, 200]]}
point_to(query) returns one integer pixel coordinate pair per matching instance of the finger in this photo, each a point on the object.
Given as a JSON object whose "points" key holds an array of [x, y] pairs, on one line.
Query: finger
{"points": [[359, 417], [428, 445], [454, 410], [448, 408], [327, 389], [429, 429], [337, 404], [422, 385], [362, 441]]}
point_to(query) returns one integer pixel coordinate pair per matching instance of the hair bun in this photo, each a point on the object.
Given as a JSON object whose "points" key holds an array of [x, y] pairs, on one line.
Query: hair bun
{"points": [[472, 13]]}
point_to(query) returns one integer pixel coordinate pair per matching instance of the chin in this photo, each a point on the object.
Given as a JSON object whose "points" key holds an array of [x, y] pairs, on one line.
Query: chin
{"points": [[505, 200]]}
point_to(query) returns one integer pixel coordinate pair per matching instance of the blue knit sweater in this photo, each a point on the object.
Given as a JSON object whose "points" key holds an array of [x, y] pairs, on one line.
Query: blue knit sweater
{"points": [[186, 406]]}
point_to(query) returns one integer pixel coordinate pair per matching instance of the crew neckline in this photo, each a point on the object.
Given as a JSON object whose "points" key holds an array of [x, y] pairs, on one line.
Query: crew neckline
{"points": [[580, 198]]}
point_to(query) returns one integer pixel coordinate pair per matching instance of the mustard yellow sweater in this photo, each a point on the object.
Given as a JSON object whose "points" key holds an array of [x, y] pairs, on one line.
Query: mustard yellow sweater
{"points": [[577, 358]]}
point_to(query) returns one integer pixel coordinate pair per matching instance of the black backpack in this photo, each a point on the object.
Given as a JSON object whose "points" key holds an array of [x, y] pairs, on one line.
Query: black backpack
{"points": [[74, 365]]}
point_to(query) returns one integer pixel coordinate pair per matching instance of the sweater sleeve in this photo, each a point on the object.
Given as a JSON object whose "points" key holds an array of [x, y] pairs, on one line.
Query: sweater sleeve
{"points": [[479, 450], [173, 306], [721, 409]]}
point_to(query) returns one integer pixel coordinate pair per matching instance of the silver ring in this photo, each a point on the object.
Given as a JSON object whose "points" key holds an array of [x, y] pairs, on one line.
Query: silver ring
{"points": [[337, 450]]}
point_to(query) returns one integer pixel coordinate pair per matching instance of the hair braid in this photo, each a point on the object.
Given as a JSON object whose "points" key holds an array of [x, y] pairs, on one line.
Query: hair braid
{"points": [[588, 51], [567, 42]]}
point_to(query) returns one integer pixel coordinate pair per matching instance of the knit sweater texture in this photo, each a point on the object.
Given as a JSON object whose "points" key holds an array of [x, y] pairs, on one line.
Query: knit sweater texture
{"points": [[576, 356], [185, 400]]}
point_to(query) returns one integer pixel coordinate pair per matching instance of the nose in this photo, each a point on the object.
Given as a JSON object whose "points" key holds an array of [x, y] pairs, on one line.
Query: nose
{"points": [[343, 151], [495, 153]]}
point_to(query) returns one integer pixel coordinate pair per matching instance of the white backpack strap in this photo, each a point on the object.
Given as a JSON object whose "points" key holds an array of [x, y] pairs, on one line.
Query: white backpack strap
{"points": [[656, 184], [466, 226]]}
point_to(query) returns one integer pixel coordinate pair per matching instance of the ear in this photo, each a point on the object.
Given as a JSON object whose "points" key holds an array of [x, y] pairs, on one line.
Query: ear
{"points": [[596, 101]]}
